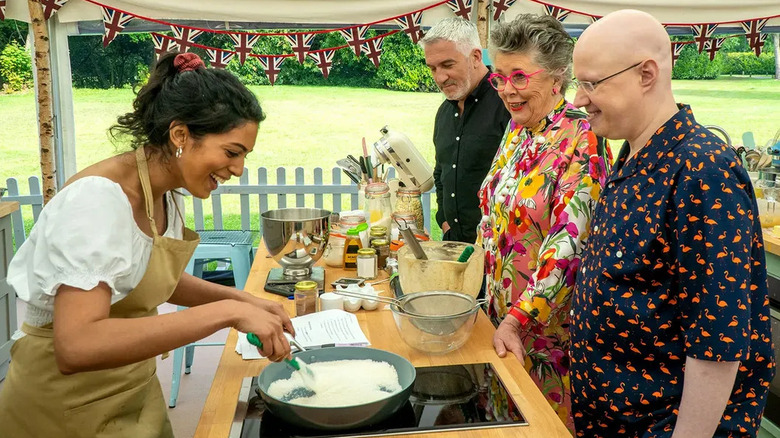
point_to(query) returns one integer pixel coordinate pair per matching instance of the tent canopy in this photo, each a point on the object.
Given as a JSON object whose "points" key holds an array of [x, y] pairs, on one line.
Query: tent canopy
{"points": [[318, 12]]}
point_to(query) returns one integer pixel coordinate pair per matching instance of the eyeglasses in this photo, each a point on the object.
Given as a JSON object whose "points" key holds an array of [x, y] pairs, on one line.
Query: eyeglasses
{"points": [[590, 86], [518, 79]]}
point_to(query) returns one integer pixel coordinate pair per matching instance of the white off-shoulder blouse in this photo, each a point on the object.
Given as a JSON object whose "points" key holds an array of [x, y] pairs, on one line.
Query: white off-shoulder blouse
{"points": [[85, 235]]}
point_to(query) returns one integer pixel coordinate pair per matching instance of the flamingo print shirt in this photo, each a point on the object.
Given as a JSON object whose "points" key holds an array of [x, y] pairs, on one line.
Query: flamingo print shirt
{"points": [[674, 267]]}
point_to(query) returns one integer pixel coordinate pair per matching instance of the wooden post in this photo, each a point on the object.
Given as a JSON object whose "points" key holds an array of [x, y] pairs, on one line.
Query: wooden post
{"points": [[483, 22], [45, 115], [776, 40]]}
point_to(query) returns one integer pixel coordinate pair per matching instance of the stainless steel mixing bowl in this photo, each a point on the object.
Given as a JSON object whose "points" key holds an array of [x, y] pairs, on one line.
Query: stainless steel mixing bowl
{"points": [[296, 237]]}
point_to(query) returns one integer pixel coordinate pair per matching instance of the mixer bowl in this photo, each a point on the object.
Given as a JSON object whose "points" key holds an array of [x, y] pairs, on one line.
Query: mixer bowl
{"points": [[296, 237]]}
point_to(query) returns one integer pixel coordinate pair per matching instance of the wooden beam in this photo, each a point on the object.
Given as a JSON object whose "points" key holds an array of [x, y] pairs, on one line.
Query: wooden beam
{"points": [[483, 22], [45, 115], [776, 40]]}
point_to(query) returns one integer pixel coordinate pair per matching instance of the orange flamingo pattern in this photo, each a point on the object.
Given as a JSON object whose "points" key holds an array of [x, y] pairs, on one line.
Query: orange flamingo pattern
{"points": [[674, 267]]}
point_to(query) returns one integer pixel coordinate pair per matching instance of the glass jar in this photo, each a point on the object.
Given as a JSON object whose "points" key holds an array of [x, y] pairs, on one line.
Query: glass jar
{"points": [[334, 252], [377, 204], [366, 263], [377, 232], [351, 247], [382, 247], [306, 297], [351, 220], [408, 218], [409, 200]]}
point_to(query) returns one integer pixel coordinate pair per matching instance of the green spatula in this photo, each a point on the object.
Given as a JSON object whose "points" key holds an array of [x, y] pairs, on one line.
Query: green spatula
{"points": [[299, 365]]}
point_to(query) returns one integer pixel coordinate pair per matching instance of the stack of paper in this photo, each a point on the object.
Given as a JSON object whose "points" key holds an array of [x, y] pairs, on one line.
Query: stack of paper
{"points": [[329, 328]]}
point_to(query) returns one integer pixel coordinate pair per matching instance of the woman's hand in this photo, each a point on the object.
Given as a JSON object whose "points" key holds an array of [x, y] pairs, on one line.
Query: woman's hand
{"points": [[507, 338], [269, 328], [278, 310]]}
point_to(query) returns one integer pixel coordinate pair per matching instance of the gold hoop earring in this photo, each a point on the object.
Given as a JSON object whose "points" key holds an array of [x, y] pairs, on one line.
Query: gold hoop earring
{"points": [[179, 151]]}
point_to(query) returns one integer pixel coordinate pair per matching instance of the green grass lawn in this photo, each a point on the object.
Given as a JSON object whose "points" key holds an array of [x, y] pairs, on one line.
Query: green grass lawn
{"points": [[314, 126]]}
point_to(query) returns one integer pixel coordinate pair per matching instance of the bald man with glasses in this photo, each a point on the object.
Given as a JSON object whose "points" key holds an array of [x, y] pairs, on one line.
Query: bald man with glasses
{"points": [[670, 327]]}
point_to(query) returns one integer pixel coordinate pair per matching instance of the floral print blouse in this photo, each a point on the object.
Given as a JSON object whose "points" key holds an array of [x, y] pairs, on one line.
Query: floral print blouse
{"points": [[536, 203]]}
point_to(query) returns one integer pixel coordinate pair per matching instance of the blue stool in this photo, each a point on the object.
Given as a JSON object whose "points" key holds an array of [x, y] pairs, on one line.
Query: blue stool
{"points": [[235, 245]]}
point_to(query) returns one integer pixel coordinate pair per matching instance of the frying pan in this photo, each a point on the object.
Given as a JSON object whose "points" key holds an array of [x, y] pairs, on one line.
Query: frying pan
{"points": [[338, 418]]}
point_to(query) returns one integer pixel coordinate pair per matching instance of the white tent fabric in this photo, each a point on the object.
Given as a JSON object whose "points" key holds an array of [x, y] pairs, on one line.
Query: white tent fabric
{"points": [[365, 11]]}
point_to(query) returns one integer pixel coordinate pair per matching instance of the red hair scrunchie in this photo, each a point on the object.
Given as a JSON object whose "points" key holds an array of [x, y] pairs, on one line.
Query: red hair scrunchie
{"points": [[188, 61]]}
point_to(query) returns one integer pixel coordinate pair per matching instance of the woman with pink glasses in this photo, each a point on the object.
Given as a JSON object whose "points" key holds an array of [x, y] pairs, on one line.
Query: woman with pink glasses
{"points": [[537, 200]]}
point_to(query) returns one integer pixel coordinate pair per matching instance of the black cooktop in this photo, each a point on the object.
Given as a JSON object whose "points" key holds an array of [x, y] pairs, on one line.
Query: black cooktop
{"points": [[443, 398]]}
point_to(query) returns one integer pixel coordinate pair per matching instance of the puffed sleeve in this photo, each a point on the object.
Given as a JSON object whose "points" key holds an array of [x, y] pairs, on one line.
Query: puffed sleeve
{"points": [[83, 237]]}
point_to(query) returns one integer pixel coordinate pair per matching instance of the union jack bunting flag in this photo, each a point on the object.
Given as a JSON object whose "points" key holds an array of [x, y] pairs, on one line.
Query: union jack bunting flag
{"points": [[753, 33], [713, 45], [2, 9], [243, 43], [410, 24], [51, 6], [324, 60], [272, 68], [162, 44], [373, 49], [556, 12], [702, 33], [184, 37], [220, 58], [301, 43], [113, 22], [677, 48], [355, 37], [499, 6], [461, 8]]}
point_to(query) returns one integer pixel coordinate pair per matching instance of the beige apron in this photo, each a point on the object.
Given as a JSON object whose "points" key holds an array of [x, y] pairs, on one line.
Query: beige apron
{"points": [[38, 401]]}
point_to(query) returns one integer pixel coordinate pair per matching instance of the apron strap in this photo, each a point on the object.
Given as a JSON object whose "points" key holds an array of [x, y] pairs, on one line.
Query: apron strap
{"points": [[143, 175]]}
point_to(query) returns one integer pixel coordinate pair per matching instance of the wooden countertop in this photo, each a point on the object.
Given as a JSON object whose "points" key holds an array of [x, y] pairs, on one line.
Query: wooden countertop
{"points": [[378, 325], [771, 242], [8, 207]]}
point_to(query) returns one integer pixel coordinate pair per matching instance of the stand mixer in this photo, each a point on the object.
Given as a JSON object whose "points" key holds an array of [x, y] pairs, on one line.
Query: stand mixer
{"points": [[296, 238]]}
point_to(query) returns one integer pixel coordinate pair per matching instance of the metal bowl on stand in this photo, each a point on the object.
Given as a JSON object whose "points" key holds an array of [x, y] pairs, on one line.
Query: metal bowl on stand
{"points": [[296, 238]]}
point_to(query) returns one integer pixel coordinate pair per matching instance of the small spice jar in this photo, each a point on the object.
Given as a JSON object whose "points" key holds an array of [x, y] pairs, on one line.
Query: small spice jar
{"points": [[377, 232], [306, 297], [366, 263], [409, 200], [351, 247], [382, 248]]}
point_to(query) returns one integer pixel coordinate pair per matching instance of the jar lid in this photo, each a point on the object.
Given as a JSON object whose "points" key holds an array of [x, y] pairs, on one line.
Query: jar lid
{"points": [[306, 285], [377, 188], [379, 242], [376, 233], [366, 251], [395, 245], [379, 228], [353, 232]]}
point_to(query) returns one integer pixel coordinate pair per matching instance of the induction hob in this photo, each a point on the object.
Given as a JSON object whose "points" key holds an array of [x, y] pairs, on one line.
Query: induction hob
{"points": [[450, 397]]}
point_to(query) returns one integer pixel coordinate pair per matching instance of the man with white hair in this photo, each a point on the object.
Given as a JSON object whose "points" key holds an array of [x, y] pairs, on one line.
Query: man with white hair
{"points": [[670, 319], [468, 128]]}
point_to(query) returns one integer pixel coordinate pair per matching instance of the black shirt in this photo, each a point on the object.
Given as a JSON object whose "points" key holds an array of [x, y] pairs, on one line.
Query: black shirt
{"points": [[465, 147]]}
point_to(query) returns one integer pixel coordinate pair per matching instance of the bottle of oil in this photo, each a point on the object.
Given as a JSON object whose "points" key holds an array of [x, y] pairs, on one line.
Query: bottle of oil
{"points": [[351, 247]]}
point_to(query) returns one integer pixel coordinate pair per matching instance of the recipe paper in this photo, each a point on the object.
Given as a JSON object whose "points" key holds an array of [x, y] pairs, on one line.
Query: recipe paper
{"points": [[328, 328]]}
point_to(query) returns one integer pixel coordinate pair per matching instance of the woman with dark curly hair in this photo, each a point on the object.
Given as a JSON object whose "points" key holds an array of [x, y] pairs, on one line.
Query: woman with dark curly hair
{"points": [[111, 247], [537, 201]]}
